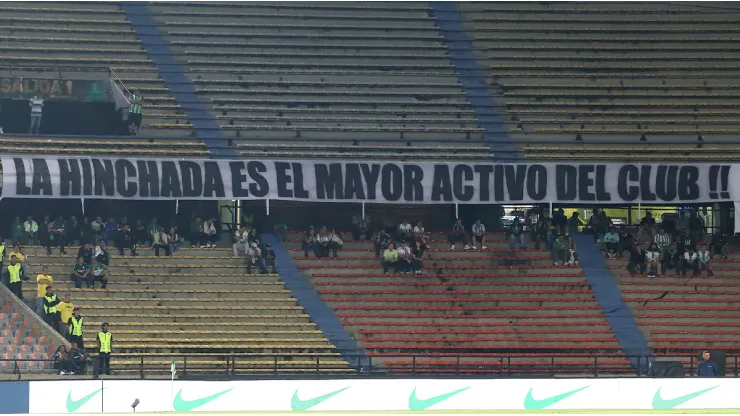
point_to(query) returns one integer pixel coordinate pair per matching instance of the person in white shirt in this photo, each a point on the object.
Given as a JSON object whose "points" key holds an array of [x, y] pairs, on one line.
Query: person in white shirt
{"points": [[405, 257], [37, 107], [241, 241], [322, 243], [208, 234], [252, 252], [161, 241], [690, 261], [404, 231], [704, 257], [479, 235], [31, 230], [652, 256], [335, 243]]}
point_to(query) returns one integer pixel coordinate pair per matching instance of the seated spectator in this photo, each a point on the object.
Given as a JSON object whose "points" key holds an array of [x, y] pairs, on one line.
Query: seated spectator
{"points": [[626, 242], [458, 234], [208, 234], [16, 230], [58, 235], [390, 259], [251, 256], [309, 241], [153, 228], [560, 250], [541, 234], [268, 260], [240, 241], [574, 259], [719, 245], [125, 239], [110, 230], [419, 233], [704, 258], [418, 256], [81, 273], [403, 233], [196, 227], [30, 231], [280, 228], [99, 272], [611, 243], [637, 261], [101, 253], [322, 243], [685, 242], [335, 243], [690, 262], [174, 240], [405, 257], [78, 358], [360, 227], [161, 242], [479, 235], [646, 230], [61, 361], [142, 235], [652, 256], [662, 240], [670, 259], [573, 223], [516, 234], [381, 241], [86, 252]]}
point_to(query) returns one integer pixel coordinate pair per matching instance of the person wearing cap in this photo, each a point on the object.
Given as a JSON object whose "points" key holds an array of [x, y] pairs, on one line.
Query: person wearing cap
{"points": [[43, 279], [105, 342], [707, 368], [65, 308], [75, 324], [51, 308]]}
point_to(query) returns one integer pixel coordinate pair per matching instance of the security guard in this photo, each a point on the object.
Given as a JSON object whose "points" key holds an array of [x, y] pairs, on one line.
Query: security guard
{"points": [[15, 273], [51, 310], [2, 252], [105, 340], [75, 324]]}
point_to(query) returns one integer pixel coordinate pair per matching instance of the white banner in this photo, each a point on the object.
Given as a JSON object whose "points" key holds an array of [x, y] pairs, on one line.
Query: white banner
{"points": [[116, 396], [367, 181]]}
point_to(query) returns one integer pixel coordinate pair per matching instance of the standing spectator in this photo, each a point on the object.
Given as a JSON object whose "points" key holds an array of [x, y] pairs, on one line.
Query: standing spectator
{"points": [[360, 227], [611, 243], [626, 242], [707, 368], [662, 240], [516, 234], [636, 264], [81, 273], [110, 230], [98, 227], [43, 280], [240, 241], [647, 228], [652, 256], [574, 222], [86, 252], [390, 259], [87, 233], [99, 272], [418, 257], [196, 225], [479, 235], [382, 239], [541, 234], [45, 231], [269, 259], [65, 308], [16, 230], [322, 243], [74, 235], [335, 243], [309, 241], [58, 235], [671, 259], [135, 115], [126, 240], [403, 233], [559, 221], [690, 261], [51, 312], [208, 234], [15, 274], [30, 230], [719, 245], [105, 343], [705, 259], [574, 259], [458, 234], [161, 241], [560, 250], [281, 228], [36, 104]]}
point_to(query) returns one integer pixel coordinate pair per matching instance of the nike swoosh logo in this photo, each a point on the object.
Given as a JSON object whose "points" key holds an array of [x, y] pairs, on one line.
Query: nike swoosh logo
{"points": [[299, 405], [418, 404], [660, 403], [182, 405], [530, 403], [74, 405]]}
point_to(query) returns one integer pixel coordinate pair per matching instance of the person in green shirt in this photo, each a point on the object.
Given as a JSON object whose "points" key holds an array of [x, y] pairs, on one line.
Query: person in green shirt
{"points": [[80, 273], [560, 250], [58, 235], [281, 228], [16, 230], [196, 224], [390, 258]]}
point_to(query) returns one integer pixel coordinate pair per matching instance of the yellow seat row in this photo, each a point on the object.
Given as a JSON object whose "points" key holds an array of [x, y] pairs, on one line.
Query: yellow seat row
{"points": [[239, 323], [114, 314], [189, 300], [193, 291], [201, 308], [172, 266], [171, 283], [196, 332]]}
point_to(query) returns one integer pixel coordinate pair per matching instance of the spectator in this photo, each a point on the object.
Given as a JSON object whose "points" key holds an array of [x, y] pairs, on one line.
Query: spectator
{"points": [[419, 233], [309, 241], [704, 260], [36, 104], [31, 231], [611, 243], [719, 245], [662, 240], [208, 234], [16, 230], [2, 255], [86, 252], [559, 221], [126, 240], [560, 250], [696, 227], [153, 228], [268, 259], [626, 242], [110, 230], [636, 263], [240, 241], [458, 234], [685, 242], [405, 257], [43, 280], [51, 311], [390, 259], [15, 274], [707, 368], [142, 236], [81, 273], [322, 243], [65, 313], [135, 115], [382, 239], [99, 272], [335, 243], [196, 226], [281, 228], [360, 226], [646, 230], [671, 259], [61, 361], [690, 261], [98, 227], [516, 234], [20, 257], [251, 254], [574, 259], [78, 357], [403, 233], [87, 233], [541, 234], [479, 235], [74, 232], [161, 241], [58, 235], [573, 223], [174, 239], [101, 253], [418, 256], [44, 231], [652, 256]]}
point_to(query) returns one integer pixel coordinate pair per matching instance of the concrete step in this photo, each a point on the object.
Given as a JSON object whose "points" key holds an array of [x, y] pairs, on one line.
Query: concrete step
{"points": [[460, 268], [122, 284], [112, 294], [437, 254], [246, 316], [209, 311], [191, 303]]}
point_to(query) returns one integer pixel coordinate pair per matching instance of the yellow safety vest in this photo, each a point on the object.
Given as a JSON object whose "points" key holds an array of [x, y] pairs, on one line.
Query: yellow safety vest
{"points": [[104, 339], [15, 272], [2, 251], [50, 309], [76, 328]]}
